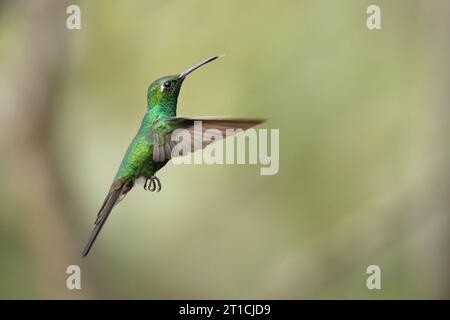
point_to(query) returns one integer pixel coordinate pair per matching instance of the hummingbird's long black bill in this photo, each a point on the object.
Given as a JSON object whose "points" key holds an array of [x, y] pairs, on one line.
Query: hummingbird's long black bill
{"points": [[198, 65]]}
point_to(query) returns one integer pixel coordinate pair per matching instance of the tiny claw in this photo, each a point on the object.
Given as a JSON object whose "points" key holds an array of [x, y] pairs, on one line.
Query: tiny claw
{"points": [[145, 184], [159, 186], [152, 185]]}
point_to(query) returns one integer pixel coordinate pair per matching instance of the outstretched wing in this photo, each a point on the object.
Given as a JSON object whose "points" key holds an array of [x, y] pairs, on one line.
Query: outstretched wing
{"points": [[196, 133]]}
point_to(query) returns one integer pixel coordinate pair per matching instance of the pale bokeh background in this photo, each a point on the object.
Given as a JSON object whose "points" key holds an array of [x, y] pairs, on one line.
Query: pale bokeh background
{"points": [[364, 126]]}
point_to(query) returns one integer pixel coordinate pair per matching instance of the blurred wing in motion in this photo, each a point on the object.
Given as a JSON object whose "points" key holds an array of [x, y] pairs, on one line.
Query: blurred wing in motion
{"points": [[194, 137]]}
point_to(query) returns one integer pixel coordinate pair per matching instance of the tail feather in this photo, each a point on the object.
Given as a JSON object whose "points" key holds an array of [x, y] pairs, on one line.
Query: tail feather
{"points": [[111, 200]]}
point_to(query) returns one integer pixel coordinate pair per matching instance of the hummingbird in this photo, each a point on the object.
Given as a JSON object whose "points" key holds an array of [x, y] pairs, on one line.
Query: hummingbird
{"points": [[151, 148]]}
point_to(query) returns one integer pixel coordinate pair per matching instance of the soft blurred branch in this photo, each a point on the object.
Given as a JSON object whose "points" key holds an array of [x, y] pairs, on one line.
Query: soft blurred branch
{"points": [[29, 96]]}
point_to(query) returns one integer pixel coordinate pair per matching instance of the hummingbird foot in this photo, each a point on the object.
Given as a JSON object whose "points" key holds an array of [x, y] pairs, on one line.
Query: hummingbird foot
{"points": [[152, 184]]}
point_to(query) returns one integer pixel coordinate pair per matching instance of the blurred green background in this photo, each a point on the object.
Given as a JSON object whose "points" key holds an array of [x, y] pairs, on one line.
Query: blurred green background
{"points": [[364, 126]]}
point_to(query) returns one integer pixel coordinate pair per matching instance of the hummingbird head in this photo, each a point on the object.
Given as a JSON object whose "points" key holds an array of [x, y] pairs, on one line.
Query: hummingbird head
{"points": [[164, 91]]}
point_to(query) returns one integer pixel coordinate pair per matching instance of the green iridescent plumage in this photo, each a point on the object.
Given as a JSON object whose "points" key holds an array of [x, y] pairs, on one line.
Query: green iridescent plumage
{"points": [[151, 148]]}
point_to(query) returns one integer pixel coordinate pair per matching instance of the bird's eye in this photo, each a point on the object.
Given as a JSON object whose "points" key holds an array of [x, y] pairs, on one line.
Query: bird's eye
{"points": [[167, 84]]}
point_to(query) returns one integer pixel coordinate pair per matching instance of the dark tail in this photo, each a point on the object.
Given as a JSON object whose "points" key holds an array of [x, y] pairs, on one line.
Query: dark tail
{"points": [[109, 203]]}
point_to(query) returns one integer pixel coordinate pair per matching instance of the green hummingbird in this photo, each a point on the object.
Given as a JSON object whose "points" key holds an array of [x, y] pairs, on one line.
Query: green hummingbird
{"points": [[152, 146]]}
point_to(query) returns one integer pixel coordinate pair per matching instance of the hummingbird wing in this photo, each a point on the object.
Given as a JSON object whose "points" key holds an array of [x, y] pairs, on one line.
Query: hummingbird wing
{"points": [[115, 194], [160, 134]]}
